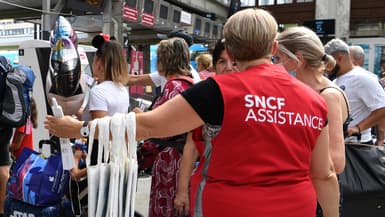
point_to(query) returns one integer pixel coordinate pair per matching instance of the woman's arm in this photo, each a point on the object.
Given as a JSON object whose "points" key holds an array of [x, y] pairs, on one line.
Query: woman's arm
{"points": [[76, 173], [335, 103], [324, 177], [16, 143], [190, 154], [98, 114], [143, 79], [174, 117]]}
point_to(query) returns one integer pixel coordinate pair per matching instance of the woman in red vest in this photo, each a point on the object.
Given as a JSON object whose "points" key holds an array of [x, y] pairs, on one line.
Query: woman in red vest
{"points": [[266, 144], [194, 147]]}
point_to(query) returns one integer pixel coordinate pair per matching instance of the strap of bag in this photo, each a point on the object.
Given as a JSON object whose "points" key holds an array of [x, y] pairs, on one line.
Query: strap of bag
{"points": [[184, 78], [118, 137], [131, 134], [132, 146], [349, 117], [104, 139], [91, 139], [171, 142], [361, 144]]}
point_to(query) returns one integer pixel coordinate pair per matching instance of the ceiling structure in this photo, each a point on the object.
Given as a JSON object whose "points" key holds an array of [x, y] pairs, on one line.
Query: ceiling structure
{"points": [[87, 16], [32, 9]]}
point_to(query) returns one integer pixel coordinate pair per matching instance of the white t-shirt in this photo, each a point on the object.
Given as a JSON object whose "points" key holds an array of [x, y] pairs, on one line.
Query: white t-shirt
{"points": [[110, 97], [365, 95], [159, 80]]}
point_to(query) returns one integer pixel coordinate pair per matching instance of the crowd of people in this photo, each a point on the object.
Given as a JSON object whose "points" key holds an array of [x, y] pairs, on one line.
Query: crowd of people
{"points": [[234, 138]]}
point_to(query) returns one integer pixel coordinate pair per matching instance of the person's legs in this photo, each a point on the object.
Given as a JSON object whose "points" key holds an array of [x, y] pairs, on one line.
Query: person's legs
{"points": [[5, 136]]}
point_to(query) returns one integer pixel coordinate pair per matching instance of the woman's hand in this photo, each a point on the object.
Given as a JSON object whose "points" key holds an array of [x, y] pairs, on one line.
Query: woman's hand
{"points": [[182, 203], [137, 110], [13, 148], [65, 127], [354, 131], [76, 173]]}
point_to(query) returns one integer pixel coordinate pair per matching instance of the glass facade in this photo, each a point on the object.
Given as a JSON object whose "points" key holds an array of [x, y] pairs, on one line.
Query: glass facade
{"points": [[281, 2], [265, 2], [247, 3]]}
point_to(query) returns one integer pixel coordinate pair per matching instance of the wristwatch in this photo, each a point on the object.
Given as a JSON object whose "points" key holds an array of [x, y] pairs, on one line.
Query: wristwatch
{"points": [[84, 131]]}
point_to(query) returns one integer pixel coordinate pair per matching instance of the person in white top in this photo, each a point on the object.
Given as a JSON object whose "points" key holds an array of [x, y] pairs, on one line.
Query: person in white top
{"points": [[155, 79], [357, 54], [365, 94], [110, 96]]}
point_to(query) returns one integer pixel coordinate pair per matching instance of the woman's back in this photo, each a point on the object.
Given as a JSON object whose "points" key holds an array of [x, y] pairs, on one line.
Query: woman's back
{"points": [[275, 135]]}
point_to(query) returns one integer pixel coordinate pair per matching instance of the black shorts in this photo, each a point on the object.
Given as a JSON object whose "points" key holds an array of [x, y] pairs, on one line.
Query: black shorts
{"points": [[5, 137]]}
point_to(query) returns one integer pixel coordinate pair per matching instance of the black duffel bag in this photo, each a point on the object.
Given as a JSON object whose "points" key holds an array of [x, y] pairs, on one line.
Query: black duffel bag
{"points": [[364, 172]]}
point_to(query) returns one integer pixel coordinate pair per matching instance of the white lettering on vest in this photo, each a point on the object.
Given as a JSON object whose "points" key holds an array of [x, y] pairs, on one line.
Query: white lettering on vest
{"points": [[270, 109]]}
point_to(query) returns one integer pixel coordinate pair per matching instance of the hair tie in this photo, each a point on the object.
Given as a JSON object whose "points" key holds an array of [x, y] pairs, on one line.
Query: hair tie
{"points": [[98, 41], [324, 57]]}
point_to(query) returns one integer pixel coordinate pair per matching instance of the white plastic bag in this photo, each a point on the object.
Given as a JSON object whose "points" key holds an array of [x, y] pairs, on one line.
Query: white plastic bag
{"points": [[92, 175], [133, 165], [104, 166], [118, 181]]}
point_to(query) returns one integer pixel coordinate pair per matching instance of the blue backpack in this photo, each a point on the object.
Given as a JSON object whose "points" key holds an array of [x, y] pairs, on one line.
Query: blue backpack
{"points": [[15, 93]]}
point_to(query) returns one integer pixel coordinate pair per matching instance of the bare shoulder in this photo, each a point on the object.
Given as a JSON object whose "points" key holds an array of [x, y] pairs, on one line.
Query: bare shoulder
{"points": [[336, 100], [333, 94]]}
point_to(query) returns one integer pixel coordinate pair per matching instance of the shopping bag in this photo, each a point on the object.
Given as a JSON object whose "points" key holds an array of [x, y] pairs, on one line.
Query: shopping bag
{"points": [[104, 166], [93, 173], [364, 172], [133, 164], [37, 180], [118, 159]]}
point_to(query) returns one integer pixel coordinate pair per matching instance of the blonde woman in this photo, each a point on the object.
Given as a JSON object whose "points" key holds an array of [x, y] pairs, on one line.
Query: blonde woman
{"points": [[205, 66], [173, 64], [301, 50]]}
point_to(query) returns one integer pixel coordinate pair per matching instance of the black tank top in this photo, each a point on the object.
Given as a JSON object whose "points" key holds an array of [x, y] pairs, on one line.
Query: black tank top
{"points": [[348, 119]]}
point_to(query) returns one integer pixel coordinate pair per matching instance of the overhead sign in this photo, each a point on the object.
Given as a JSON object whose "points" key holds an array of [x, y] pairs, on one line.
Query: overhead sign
{"points": [[321, 27], [148, 17], [185, 18], [130, 13]]}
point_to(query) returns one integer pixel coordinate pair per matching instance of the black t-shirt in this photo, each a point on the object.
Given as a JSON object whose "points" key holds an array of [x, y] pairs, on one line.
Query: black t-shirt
{"points": [[206, 99]]}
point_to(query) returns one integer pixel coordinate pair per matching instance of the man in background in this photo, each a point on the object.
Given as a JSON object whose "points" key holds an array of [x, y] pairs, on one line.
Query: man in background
{"points": [[357, 55], [365, 94]]}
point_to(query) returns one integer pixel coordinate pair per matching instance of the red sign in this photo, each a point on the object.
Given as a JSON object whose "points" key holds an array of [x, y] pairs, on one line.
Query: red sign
{"points": [[130, 14], [147, 19]]}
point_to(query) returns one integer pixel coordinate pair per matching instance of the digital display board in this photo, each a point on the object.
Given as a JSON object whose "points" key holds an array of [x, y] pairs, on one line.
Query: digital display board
{"points": [[321, 27]]}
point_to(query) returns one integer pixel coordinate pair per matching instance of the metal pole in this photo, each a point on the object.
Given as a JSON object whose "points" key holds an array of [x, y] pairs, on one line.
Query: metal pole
{"points": [[107, 18], [46, 20]]}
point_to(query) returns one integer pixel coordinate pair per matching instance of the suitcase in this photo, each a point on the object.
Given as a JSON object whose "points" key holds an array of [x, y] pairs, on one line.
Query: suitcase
{"points": [[13, 208]]}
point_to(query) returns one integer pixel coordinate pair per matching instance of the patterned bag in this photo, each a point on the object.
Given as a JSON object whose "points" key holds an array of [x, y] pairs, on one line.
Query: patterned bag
{"points": [[37, 180]]}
